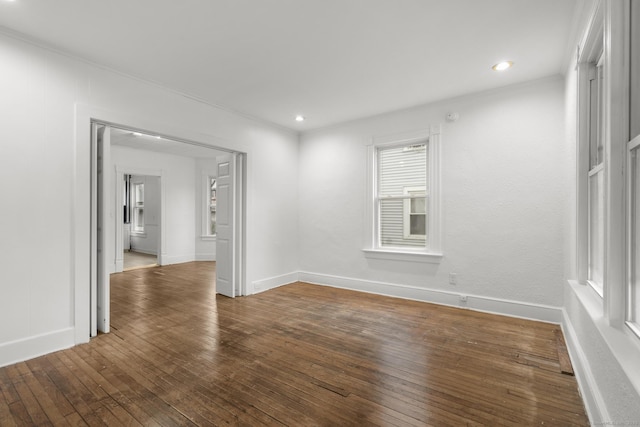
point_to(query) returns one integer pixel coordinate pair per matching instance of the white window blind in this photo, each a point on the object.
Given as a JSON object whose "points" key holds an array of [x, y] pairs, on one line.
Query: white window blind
{"points": [[402, 194]]}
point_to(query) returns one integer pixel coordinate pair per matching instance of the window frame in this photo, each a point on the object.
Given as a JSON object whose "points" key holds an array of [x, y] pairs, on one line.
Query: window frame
{"points": [[632, 319], [137, 228], [432, 252], [608, 31], [406, 211], [206, 206], [632, 285], [595, 70], [590, 57]]}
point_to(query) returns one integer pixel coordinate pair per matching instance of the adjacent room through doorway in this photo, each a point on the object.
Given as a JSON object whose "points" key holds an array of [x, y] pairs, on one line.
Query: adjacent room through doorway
{"points": [[140, 221], [160, 201]]}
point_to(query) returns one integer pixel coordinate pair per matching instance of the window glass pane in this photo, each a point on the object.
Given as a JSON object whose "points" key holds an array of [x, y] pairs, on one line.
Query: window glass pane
{"points": [[418, 225], [212, 221], [138, 207], [138, 219], [596, 148], [419, 205], [212, 191], [596, 229], [212, 205], [402, 167], [392, 225], [634, 286], [139, 194]]}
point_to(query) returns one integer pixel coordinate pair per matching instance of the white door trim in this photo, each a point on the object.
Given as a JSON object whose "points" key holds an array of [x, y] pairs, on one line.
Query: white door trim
{"points": [[80, 219]]}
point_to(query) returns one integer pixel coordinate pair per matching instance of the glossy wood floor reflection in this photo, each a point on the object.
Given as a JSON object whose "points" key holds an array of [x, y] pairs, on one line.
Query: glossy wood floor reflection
{"points": [[299, 355]]}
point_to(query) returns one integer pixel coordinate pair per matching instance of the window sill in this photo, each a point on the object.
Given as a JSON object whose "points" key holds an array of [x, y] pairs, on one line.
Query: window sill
{"points": [[623, 343], [208, 237], [634, 328], [399, 255], [596, 288]]}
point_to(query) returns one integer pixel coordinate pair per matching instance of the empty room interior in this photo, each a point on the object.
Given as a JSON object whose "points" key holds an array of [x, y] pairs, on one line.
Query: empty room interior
{"points": [[342, 212]]}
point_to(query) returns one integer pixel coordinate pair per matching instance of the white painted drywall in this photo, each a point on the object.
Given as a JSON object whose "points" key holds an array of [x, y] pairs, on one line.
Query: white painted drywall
{"points": [[503, 187], [178, 191], [44, 154]]}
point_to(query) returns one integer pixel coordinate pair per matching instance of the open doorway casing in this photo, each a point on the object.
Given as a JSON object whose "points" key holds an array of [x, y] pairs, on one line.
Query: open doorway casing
{"points": [[105, 217]]}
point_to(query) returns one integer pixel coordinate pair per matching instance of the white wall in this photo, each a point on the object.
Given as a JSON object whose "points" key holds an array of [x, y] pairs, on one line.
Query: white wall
{"points": [[503, 187], [47, 100], [179, 193]]}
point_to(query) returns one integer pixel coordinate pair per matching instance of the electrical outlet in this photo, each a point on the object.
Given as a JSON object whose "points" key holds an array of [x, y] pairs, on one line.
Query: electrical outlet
{"points": [[453, 279]]}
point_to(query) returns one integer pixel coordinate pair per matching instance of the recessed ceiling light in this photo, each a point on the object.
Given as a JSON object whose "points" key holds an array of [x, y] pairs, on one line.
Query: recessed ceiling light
{"points": [[501, 66], [299, 118], [136, 134], [158, 137]]}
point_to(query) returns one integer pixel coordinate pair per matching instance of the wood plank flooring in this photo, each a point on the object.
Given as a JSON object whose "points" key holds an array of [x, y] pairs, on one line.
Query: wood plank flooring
{"points": [[299, 355], [133, 260]]}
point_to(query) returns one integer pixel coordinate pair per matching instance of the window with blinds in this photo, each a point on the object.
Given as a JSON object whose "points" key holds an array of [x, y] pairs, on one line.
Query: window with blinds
{"points": [[401, 195], [138, 207], [596, 176], [211, 208]]}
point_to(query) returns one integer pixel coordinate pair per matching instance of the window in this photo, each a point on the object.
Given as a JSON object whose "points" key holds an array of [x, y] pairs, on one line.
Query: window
{"points": [[211, 208], [608, 179], [403, 206], [138, 207], [596, 176], [126, 199], [592, 163], [401, 188], [208, 205]]}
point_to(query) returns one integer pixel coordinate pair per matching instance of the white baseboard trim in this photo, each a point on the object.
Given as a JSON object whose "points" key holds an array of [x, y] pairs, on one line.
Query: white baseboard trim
{"points": [[543, 313], [206, 257], [591, 396], [144, 251], [177, 259], [274, 282], [28, 348]]}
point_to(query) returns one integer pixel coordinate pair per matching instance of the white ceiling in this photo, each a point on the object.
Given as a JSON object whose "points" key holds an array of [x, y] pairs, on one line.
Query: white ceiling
{"points": [[330, 60]]}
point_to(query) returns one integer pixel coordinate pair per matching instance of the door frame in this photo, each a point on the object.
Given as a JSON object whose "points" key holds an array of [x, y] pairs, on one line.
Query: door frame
{"points": [[100, 228], [80, 217]]}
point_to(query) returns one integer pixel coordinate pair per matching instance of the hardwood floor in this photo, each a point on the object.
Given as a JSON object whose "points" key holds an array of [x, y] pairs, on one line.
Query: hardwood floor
{"points": [[133, 260], [299, 355]]}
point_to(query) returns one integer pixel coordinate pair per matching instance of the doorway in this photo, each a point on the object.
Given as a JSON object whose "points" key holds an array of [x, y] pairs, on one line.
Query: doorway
{"points": [[140, 225], [123, 190]]}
